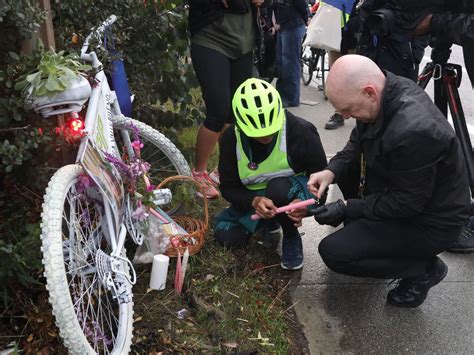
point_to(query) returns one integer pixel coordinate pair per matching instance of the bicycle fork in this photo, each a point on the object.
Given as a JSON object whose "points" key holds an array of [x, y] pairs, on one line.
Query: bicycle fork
{"points": [[112, 268]]}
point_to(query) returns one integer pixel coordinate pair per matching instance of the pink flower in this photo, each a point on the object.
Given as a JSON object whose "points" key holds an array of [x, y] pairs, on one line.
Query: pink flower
{"points": [[136, 144], [83, 183]]}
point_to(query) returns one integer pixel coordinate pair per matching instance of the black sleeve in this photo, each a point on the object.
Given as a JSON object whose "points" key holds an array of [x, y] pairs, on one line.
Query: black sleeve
{"points": [[231, 187], [456, 27], [305, 150], [344, 159], [412, 178]]}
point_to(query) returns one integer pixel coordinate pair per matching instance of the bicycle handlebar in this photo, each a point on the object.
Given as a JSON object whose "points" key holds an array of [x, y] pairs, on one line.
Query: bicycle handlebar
{"points": [[89, 56]]}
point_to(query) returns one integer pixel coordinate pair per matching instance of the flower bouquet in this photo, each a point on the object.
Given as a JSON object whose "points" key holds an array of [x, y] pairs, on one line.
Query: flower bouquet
{"points": [[162, 234]]}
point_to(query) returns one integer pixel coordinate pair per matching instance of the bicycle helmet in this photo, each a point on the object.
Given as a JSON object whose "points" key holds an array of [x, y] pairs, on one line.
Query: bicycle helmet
{"points": [[258, 109]]}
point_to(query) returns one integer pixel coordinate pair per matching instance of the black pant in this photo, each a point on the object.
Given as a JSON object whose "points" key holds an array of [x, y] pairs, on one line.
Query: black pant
{"points": [[219, 77], [278, 190], [386, 249]]}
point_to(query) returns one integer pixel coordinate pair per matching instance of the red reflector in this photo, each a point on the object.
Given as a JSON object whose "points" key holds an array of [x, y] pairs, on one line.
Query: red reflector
{"points": [[76, 125]]}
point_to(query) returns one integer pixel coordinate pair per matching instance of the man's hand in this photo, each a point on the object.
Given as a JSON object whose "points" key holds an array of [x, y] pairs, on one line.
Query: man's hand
{"points": [[264, 207], [257, 3], [225, 3], [424, 26], [319, 182], [298, 214], [332, 213]]}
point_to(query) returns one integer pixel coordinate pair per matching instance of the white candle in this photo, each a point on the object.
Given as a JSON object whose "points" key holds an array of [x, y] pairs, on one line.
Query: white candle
{"points": [[159, 272]]}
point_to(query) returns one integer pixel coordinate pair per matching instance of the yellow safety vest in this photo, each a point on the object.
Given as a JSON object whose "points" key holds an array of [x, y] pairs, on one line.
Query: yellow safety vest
{"points": [[256, 176]]}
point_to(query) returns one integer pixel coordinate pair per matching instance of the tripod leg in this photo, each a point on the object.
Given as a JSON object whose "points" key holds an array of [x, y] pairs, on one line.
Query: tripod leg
{"points": [[425, 76], [440, 98], [459, 121]]}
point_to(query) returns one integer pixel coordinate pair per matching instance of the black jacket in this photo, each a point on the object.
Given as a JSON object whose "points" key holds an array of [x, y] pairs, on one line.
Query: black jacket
{"points": [[305, 151], [290, 13], [398, 51], [414, 165], [456, 22]]}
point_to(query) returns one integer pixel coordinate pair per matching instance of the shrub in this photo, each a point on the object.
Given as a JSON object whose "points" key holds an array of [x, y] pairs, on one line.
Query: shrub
{"points": [[153, 40]]}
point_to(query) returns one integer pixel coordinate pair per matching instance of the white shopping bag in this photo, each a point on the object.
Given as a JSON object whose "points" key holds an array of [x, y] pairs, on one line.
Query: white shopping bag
{"points": [[324, 30]]}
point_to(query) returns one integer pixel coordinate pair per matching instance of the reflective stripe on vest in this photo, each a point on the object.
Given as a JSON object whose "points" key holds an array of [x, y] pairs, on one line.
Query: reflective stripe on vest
{"points": [[275, 165]]}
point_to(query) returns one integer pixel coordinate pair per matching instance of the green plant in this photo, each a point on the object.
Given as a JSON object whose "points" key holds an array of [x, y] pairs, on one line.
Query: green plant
{"points": [[55, 72], [151, 38], [24, 14]]}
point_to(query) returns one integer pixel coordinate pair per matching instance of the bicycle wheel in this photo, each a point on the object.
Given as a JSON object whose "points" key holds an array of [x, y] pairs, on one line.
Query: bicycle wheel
{"points": [[90, 318], [164, 157], [307, 66]]}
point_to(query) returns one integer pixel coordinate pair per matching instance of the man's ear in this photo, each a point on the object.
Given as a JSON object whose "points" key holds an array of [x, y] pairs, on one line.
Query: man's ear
{"points": [[370, 91]]}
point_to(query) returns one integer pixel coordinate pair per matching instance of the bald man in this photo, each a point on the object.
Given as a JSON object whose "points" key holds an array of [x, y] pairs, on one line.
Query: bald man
{"points": [[403, 179]]}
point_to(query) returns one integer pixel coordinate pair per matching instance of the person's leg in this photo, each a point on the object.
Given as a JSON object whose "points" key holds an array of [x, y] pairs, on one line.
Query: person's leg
{"points": [[336, 120], [288, 83], [388, 249], [214, 81], [278, 59], [279, 191], [240, 70], [235, 237], [228, 229]]}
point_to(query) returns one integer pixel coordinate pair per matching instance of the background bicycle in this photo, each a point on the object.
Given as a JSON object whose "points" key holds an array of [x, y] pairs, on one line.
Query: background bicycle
{"points": [[87, 213], [313, 62]]}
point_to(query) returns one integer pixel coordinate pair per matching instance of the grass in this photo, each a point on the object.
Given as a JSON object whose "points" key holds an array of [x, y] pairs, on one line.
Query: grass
{"points": [[233, 300]]}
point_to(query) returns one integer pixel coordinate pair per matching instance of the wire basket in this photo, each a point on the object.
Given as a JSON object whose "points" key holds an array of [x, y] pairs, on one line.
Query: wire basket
{"points": [[195, 227]]}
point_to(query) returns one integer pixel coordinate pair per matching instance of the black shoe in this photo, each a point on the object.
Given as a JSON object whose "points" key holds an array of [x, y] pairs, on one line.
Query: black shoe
{"points": [[411, 292], [335, 121], [465, 242]]}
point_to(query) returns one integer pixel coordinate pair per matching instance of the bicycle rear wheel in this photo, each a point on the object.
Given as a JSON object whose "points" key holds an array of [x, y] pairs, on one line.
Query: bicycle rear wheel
{"points": [[307, 64], [75, 245], [164, 157]]}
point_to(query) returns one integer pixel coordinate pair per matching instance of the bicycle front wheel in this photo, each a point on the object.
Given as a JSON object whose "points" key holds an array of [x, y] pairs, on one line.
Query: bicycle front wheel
{"points": [[76, 244], [164, 157]]}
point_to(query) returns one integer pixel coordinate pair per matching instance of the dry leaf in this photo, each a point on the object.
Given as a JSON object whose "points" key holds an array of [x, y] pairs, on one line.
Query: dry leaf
{"points": [[138, 319]]}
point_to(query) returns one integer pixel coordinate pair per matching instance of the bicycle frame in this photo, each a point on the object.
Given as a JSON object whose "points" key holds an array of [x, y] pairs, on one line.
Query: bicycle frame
{"points": [[99, 137]]}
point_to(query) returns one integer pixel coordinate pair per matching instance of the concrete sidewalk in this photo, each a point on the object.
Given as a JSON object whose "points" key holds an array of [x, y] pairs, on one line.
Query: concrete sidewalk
{"points": [[349, 315]]}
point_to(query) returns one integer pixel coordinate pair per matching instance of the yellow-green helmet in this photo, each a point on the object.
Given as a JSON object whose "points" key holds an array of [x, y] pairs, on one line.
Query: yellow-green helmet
{"points": [[257, 108]]}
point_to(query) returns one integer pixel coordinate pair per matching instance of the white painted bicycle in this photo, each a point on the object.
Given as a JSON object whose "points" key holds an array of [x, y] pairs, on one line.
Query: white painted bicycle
{"points": [[87, 214]]}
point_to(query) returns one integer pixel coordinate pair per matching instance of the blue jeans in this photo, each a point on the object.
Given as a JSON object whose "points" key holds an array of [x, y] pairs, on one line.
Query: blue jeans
{"points": [[288, 62]]}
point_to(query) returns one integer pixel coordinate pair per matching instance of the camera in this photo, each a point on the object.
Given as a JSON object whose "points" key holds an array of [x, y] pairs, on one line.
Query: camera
{"points": [[385, 17]]}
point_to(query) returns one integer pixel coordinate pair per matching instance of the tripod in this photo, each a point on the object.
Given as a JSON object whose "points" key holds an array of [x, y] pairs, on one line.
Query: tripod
{"points": [[447, 78]]}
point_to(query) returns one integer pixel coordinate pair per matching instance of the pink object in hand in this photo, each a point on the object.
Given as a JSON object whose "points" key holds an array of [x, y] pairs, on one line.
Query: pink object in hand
{"points": [[289, 207]]}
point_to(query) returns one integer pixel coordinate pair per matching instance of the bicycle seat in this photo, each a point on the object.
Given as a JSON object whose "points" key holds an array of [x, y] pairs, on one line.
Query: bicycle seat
{"points": [[69, 100]]}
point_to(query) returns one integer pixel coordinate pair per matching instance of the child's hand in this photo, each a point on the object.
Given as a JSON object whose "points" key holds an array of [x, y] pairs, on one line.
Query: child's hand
{"points": [[297, 215], [264, 207]]}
